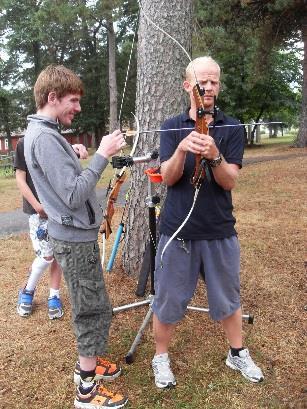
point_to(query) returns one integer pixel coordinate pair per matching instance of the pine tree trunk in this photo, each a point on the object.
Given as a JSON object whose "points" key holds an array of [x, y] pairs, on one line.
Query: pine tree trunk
{"points": [[160, 72], [301, 140], [112, 76], [5, 102]]}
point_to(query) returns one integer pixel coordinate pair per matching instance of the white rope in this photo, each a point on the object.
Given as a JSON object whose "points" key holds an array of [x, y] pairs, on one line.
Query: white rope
{"points": [[211, 127], [126, 80], [182, 224]]}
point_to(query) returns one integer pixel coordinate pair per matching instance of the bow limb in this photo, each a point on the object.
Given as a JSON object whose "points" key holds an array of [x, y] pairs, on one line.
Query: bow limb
{"points": [[137, 135], [164, 32], [169, 36], [109, 213], [106, 228]]}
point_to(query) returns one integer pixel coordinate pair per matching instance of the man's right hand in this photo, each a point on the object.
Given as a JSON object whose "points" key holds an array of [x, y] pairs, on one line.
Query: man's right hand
{"points": [[40, 210], [111, 144]]}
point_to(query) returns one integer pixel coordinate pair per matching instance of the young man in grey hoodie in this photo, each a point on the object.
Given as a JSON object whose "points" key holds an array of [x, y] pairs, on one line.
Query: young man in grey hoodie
{"points": [[67, 193]]}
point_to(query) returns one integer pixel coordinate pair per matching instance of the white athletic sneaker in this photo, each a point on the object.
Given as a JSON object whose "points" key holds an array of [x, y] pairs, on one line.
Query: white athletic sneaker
{"points": [[245, 365], [25, 302], [164, 377]]}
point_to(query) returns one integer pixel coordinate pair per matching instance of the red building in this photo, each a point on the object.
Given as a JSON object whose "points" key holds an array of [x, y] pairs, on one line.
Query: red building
{"points": [[85, 138]]}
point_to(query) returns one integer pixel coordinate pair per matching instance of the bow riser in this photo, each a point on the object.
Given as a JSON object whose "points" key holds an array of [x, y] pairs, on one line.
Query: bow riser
{"points": [[201, 126]]}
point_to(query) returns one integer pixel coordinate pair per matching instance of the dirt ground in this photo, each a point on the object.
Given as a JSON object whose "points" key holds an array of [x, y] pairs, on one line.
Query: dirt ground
{"points": [[37, 356]]}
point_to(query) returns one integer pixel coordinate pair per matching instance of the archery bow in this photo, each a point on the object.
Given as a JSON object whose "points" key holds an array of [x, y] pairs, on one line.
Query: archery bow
{"points": [[106, 229]]}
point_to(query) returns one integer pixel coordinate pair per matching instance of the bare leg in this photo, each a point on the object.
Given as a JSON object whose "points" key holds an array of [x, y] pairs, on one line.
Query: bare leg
{"points": [[233, 328], [55, 275], [163, 334], [87, 363], [164, 377]]}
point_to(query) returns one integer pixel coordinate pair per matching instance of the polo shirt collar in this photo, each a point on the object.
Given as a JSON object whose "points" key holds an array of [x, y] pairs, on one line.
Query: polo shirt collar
{"points": [[220, 117]]}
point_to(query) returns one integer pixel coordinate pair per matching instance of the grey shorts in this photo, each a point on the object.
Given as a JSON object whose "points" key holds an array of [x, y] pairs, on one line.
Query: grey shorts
{"points": [[91, 308], [176, 279]]}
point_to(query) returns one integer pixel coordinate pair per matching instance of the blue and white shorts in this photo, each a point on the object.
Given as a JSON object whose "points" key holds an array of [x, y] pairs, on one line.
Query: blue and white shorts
{"points": [[39, 236], [183, 261]]}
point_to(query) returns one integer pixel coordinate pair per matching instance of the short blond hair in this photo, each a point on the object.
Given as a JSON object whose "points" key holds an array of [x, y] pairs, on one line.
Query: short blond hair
{"points": [[58, 79], [189, 72]]}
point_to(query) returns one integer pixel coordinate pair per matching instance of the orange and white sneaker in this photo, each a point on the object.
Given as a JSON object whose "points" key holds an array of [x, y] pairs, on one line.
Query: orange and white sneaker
{"points": [[99, 398], [105, 370]]}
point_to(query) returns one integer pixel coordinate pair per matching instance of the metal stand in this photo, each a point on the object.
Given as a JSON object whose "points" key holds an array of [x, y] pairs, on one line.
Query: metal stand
{"points": [[151, 202]]}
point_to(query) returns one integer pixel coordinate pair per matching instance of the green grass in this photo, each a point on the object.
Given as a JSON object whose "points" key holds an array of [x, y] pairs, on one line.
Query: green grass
{"points": [[269, 203], [7, 172], [282, 140]]}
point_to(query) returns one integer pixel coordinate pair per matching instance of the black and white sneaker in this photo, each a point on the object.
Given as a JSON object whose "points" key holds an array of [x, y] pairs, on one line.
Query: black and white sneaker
{"points": [[245, 365], [164, 377]]}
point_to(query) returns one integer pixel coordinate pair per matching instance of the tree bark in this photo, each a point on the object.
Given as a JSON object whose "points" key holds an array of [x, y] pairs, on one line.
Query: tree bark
{"points": [[5, 102], [301, 139], [160, 72], [113, 123]]}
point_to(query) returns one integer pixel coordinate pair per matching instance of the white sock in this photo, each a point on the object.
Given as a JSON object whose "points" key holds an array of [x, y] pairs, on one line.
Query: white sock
{"points": [[39, 265], [161, 357], [54, 292]]}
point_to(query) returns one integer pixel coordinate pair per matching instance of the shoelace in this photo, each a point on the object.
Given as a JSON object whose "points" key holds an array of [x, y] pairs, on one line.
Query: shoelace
{"points": [[246, 362], [104, 363], [162, 368], [105, 391]]}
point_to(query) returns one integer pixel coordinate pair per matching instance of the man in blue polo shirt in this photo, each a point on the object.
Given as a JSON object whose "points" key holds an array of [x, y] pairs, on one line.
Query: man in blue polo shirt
{"points": [[207, 243]]}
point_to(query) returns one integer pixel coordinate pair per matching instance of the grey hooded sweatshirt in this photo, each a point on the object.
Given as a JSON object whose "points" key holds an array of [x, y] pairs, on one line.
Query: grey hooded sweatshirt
{"points": [[65, 189]]}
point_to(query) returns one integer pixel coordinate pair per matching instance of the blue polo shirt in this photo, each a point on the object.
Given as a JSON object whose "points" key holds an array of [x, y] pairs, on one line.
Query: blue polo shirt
{"points": [[212, 216]]}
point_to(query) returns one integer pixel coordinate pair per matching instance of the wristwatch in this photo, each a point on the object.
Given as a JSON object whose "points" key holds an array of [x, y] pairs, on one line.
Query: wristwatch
{"points": [[216, 162]]}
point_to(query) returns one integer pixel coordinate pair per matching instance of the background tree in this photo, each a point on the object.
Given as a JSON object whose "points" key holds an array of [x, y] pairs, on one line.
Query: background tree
{"points": [[255, 85], [160, 69], [279, 21], [301, 139], [255, 44], [72, 33], [10, 109]]}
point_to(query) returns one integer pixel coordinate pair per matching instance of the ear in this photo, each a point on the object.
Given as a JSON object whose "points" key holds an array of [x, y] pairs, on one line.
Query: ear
{"points": [[52, 97], [187, 86]]}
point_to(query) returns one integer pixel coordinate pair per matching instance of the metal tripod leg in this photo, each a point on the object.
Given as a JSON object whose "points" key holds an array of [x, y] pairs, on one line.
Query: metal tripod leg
{"points": [[130, 306], [130, 355], [248, 317]]}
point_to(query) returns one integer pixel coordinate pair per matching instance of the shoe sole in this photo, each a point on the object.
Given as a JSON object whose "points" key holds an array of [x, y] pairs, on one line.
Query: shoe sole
{"points": [[80, 405], [98, 378], [55, 317], [170, 385], [232, 366], [23, 314]]}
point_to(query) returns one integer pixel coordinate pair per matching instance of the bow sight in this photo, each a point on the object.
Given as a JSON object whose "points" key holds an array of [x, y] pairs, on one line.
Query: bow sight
{"points": [[119, 162]]}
